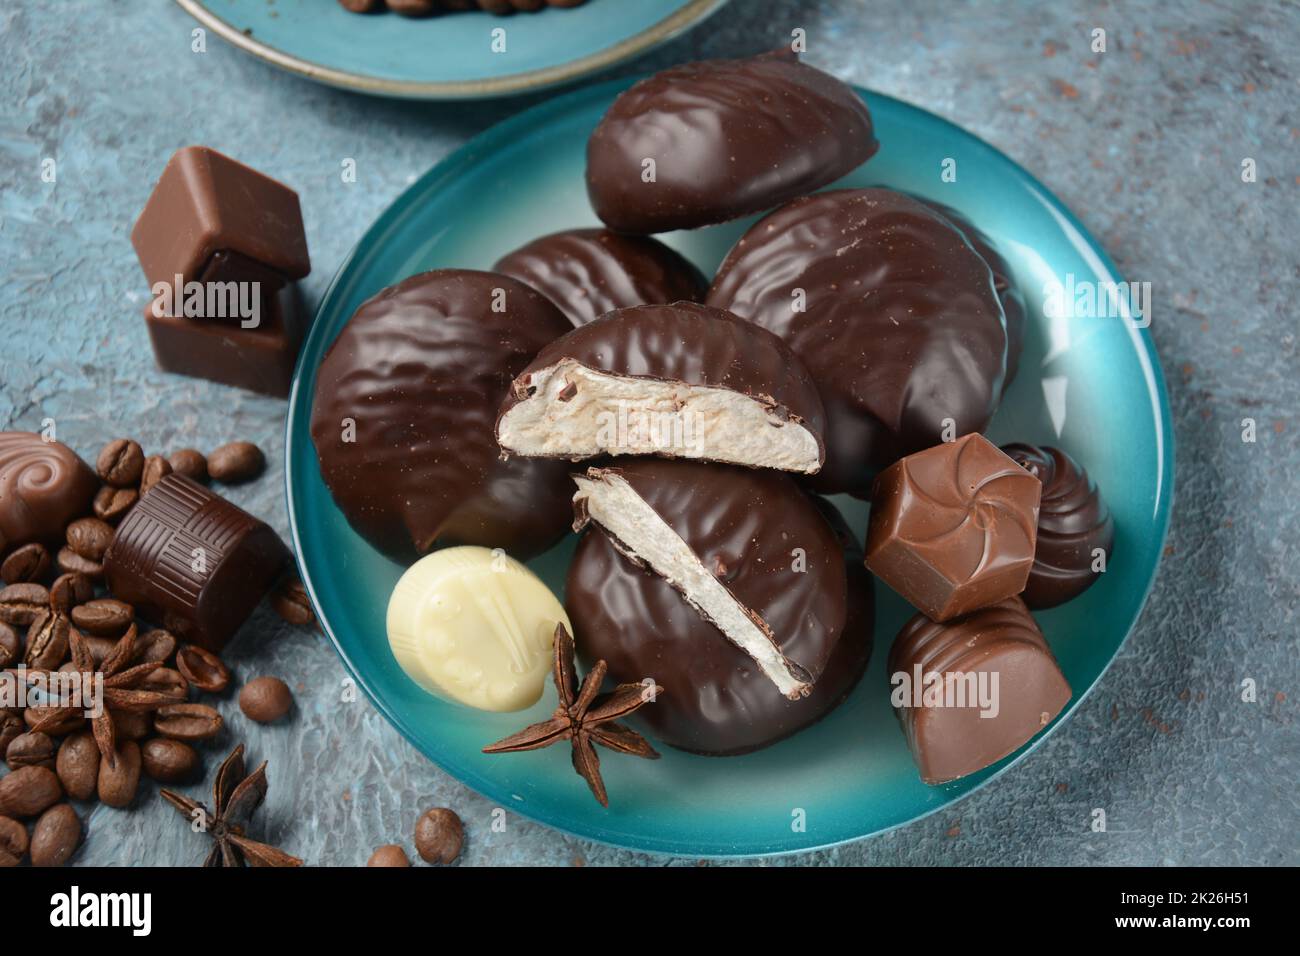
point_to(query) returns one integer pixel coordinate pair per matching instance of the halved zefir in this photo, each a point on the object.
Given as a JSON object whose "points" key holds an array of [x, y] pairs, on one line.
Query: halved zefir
{"points": [[679, 381]]}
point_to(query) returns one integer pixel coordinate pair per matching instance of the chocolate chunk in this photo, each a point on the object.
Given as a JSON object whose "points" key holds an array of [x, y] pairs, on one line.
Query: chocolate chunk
{"points": [[680, 380], [746, 548], [707, 142], [993, 662], [953, 527], [189, 560], [715, 701], [43, 486], [893, 312], [588, 272], [1073, 523], [403, 416]]}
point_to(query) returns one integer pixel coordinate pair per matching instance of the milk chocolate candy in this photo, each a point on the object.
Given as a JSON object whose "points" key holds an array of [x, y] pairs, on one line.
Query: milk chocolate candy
{"points": [[44, 485], [707, 142], [405, 404], [680, 380], [995, 685], [213, 219], [953, 527], [192, 562], [715, 700], [258, 359], [892, 311], [1074, 526], [745, 548], [588, 272]]}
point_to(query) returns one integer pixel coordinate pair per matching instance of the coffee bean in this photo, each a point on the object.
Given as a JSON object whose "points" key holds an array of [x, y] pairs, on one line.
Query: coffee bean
{"points": [[155, 644], [56, 836], [69, 723], [10, 645], [290, 601], [439, 835], [169, 761], [69, 562], [90, 537], [132, 725], [29, 791], [29, 563], [236, 462], [77, 764], [11, 726], [120, 463], [156, 467], [111, 503], [100, 647], [265, 699], [390, 855], [168, 681], [104, 617], [21, 604], [32, 749], [190, 463], [47, 641], [202, 668], [119, 780], [69, 590], [13, 842], [187, 721]]}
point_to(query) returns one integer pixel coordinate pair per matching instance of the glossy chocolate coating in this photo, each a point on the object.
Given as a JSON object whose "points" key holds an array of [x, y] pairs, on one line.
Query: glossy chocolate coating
{"points": [[728, 138], [421, 369], [952, 528], [192, 562], [693, 344], [744, 524], [951, 742], [1072, 521], [588, 272], [43, 487], [901, 326]]}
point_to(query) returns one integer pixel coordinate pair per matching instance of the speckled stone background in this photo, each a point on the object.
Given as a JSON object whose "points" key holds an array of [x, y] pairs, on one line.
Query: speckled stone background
{"points": [[1145, 142]]}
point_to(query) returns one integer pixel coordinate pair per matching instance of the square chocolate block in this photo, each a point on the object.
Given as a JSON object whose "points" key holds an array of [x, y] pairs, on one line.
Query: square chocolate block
{"points": [[953, 527], [207, 204], [259, 360]]}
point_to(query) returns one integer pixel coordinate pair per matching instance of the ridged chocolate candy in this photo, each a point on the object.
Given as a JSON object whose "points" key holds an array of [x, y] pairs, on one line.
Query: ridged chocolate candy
{"points": [[403, 416], [588, 272], [892, 310], [680, 380], [43, 487], [192, 562], [726, 138], [948, 741], [1073, 521]]}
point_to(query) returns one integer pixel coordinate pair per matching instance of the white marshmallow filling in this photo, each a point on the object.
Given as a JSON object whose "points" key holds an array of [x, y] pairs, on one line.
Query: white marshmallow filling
{"points": [[642, 535], [572, 411]]}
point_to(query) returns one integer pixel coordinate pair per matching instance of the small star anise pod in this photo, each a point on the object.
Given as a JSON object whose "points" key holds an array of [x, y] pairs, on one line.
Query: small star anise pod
{"points": [[234, 798], [122, 690], [584, 718]]}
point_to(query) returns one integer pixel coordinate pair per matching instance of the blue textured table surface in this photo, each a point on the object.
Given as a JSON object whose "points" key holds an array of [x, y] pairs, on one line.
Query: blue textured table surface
{"points": [[1146, 142]]}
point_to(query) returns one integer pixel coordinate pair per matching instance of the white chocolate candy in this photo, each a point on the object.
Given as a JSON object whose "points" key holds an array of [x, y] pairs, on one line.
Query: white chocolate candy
{"points": [[475, 626]]}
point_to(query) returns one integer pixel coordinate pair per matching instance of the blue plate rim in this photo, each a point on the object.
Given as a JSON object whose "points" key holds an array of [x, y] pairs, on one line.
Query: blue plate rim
{"points": [[691, 14], [1075, 232]]}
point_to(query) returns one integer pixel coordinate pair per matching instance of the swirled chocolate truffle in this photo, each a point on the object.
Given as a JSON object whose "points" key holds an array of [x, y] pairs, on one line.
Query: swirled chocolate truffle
{"points": [[892, 310], [680, 380], [588, 272], [715, 701], [44, 486], [995, 685], [711, 141], [403, 416], [1073, 523]]}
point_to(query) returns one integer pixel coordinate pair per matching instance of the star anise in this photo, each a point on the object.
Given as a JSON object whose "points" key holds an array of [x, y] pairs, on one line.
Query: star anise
{"points": [[122, 690], [234, 798], [584, 718]]}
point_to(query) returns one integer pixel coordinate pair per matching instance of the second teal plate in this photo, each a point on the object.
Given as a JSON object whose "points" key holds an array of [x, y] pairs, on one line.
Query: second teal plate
{"points": [[851, 775]]}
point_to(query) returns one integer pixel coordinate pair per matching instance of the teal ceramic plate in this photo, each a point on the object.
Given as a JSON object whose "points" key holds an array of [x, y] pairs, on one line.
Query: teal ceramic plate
{"points": [[1094, 379], [451, 56]]}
